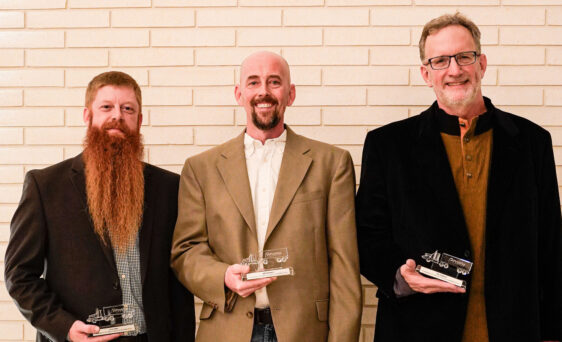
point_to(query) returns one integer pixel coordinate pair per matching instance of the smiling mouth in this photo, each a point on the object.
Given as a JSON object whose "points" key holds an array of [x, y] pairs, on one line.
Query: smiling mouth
{"points": [[264, 105], [456, 83]]}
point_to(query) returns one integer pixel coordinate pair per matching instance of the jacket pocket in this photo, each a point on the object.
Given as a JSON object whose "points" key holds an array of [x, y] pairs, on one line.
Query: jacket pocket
{"points": [[307, 196], [322, 307], [206, 312]]}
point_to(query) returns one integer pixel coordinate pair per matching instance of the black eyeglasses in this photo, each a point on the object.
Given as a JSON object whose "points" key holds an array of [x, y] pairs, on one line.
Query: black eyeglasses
{"points": [[462, 58]]}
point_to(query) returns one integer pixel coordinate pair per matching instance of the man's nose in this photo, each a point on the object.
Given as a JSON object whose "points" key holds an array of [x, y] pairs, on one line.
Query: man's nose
{"points": [[116, 114], [454, 67], [263, 89]]}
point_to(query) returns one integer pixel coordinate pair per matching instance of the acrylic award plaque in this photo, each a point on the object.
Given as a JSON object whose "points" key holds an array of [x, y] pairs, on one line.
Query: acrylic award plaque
{"points": [[446, 267], [271, 263], [113, 320]]}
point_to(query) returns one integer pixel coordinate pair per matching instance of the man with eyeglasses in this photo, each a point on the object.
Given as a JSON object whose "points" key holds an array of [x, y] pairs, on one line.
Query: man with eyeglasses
{"points": [[466, 179]]}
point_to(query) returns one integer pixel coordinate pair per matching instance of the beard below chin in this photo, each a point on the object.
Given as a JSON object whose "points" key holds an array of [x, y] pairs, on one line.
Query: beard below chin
{"points": [[114, 185], [272, 121], [461, 100]]}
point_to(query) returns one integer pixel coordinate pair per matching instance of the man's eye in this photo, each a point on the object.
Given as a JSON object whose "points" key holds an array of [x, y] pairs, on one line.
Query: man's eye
{"points": [[276, 82], [440, 60], [128, 109], [106, 107]]}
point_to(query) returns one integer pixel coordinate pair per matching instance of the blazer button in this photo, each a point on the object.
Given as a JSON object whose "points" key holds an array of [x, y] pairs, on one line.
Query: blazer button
{"points": [[116, 285], [466, 253], [249, 314]]}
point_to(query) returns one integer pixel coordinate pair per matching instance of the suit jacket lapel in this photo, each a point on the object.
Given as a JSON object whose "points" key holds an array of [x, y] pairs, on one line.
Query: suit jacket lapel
{"points": [[504, 165], [145, 231], [294, 166], [434, 167], [232, 168], [79, 181]]}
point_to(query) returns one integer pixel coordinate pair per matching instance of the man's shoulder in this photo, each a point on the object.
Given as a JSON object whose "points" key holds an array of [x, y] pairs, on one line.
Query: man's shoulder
{"points": [[57, 170], [161, 173], [399, 130], [317, 145], [522, 125], [214, 152]]}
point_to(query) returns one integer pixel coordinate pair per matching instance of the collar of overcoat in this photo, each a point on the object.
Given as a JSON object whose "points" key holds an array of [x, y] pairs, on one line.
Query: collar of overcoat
{"points": [[430, 154]]}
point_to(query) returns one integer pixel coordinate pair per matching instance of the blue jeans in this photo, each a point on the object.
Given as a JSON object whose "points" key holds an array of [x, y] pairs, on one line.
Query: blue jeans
{"points": [[264, 333]]}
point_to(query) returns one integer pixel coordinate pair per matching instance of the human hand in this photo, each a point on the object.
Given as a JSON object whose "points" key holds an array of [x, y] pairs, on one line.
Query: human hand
{"points": [[244, 288], [422, 284], [79, 332]]}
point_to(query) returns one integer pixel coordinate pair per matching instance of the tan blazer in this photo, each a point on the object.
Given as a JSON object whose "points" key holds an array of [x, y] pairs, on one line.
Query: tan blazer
{"points": [[313, 214]]}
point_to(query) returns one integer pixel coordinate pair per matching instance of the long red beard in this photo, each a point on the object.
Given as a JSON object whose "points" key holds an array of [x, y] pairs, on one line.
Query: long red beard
{"points": [[114, 183]]}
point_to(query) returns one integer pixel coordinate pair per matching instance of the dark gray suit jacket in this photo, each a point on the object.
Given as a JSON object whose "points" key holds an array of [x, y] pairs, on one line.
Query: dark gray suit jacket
{"points": [[52, 235]]}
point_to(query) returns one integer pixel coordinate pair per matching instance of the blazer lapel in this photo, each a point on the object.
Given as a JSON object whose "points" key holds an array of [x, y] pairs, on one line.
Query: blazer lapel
{"points": [[232, 168], [294, 166], [145, 231], [504, 165], [78, 179], [434, 167]]}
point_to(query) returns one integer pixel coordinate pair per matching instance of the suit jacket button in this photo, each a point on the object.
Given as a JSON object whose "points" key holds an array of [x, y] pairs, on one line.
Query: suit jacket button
{"points": [[467, 253], [116, 285], [249, 314]]}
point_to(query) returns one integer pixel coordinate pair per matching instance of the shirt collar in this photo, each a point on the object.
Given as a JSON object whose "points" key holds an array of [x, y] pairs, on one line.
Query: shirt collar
{"points": [[251, 144], [450, 124]]}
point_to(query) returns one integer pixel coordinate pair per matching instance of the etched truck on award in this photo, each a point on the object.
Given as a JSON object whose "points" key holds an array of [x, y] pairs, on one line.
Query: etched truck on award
{"points": [[113, 319], [271, 263], [446, 267]]}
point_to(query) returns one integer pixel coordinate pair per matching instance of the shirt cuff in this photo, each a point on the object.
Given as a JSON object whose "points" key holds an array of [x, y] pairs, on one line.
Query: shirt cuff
{"points": [[401, 287]]}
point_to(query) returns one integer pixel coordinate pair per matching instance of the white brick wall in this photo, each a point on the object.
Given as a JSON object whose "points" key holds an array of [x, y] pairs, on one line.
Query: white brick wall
{"points": [[355, 64]]}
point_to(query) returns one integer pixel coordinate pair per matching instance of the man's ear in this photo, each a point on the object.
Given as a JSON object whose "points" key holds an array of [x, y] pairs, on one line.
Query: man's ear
{"points": [[483, 61], [425, 74], [292, 95], [86, 115], [238, 94], [140, 121]]}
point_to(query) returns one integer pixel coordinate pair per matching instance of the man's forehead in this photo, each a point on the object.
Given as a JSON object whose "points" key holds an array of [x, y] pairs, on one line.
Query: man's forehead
{"points": [[449, 39], [111, 92]]}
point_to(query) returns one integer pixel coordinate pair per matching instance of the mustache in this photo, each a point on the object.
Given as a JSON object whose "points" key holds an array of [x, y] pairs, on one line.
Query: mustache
{"points": [[266, 98], [116, 124]]}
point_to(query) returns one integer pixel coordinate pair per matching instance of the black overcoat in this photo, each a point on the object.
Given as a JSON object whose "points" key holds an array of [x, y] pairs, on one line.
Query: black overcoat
{"points": [[407, 205]]}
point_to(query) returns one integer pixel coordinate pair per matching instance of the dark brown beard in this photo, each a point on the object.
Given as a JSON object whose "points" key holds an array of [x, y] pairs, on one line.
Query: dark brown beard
{"points": [[275, 117], [114, 183]]}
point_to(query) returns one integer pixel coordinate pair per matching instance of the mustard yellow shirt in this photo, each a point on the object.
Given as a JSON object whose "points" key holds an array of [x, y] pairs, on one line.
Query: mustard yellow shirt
{"points": [[469, 153]]}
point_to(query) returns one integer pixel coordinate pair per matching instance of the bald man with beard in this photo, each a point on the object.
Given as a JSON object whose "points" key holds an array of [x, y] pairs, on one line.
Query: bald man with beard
{"points": [[266, 189], [95, 231]]}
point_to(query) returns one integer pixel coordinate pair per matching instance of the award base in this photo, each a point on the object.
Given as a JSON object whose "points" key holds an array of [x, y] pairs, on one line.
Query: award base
{"points": [[116, 329], [438, 275], [269, 273]]}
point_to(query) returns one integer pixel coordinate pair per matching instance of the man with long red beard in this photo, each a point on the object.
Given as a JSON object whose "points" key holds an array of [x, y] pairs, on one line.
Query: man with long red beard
{"points": [[270, 188], [95, 231]]}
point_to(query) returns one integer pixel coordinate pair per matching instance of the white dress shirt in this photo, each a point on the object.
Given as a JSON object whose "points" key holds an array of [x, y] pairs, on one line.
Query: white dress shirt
{"points": [[263, 162]]}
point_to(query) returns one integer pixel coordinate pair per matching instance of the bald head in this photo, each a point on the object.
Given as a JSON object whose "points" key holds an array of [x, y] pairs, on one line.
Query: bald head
{"points": [[265, 90], [264, 59]]}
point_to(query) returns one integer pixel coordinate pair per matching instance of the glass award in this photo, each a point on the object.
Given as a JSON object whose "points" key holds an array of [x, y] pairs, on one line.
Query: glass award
{"points": [[270, 263], [446, 267], [113, 320]]}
